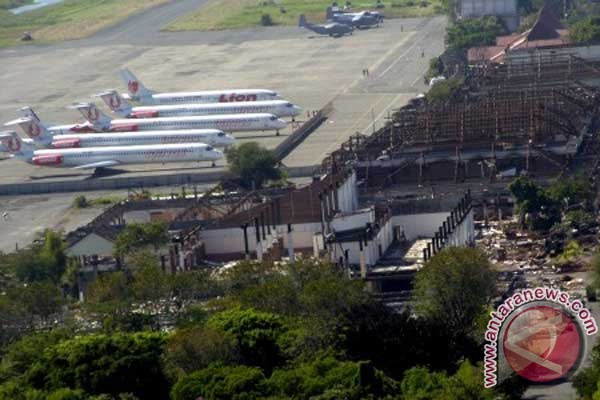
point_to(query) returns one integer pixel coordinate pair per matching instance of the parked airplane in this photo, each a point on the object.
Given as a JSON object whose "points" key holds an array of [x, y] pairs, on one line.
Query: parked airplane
{"points": [[333, 29], [105, 157], [228, 123], [122, 107], [28, 112], [362, 19], [213, 137], [138, 92]]}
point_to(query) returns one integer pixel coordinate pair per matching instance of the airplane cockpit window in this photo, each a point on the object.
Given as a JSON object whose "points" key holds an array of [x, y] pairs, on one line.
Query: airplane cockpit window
{"points": [[221, 134], [209, 148], [273, 118], [289, 105]]}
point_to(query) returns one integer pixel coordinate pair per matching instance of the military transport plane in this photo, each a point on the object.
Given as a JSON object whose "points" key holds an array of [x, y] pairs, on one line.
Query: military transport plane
{"points": [[228, 123], [138, 92], [362, 19], [333, 29], [105, 157], [44, 138], [123, 108]]}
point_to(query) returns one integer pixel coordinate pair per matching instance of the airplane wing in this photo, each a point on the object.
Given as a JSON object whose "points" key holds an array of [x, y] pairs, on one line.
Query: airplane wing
{"points": [[99, 164]]}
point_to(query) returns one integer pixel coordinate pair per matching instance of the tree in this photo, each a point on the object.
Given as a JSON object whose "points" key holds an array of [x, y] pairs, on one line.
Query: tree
{"points": [[586, 30], [455, 286], [252, 165], [109, 294], [195, 348], [138, 236], [150, 284], [255, 334], [473, 32], [96, 364], [219, 382]]}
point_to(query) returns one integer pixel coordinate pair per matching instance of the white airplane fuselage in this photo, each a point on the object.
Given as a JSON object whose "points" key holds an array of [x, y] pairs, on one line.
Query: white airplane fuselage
{"points": [[212, 137], [85, 127], [125, 155], [208, 96], [279, 108], [227, 123]]}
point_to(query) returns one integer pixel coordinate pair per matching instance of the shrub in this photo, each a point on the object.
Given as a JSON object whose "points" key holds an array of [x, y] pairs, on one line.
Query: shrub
{"points": [[266, 20], [80, 202]]}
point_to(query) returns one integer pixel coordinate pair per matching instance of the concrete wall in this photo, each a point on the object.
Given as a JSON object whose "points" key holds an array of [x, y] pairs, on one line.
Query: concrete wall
{"points": [[146, 216], [507, 9], [479, 8], [354, 220], [142, 182], [591, 52], [231, 240], [419, 225], [348, 194], [372, 252]]}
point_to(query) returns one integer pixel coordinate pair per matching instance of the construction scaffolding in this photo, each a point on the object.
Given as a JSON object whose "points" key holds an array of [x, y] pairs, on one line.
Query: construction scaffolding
{"points": [[524, 110]]}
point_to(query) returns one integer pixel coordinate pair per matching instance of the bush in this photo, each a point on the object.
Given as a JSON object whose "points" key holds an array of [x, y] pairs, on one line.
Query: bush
{"points": [[474, 32], [444, 90], [590, 293], [266, 20], [80, 202], [586, 30]]}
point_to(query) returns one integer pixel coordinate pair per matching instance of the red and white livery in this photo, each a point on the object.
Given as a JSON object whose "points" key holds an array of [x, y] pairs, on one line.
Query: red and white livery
{"points": [[105, 157], [138, 92], [227, 123], [123, 108]]}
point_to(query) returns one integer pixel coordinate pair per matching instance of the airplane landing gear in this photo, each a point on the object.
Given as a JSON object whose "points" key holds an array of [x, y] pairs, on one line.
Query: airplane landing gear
{"points": [[213, 164], [277, 132]]}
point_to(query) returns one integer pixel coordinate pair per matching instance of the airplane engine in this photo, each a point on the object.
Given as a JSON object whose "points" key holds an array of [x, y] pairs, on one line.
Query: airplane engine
{"points": [[144, 114], [124, 128], [66, 144], [48, 160]]}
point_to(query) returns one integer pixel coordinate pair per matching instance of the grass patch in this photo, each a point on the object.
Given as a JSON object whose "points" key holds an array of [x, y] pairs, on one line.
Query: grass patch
{"points": [[235, 14], [72, 19], [83, 202]]}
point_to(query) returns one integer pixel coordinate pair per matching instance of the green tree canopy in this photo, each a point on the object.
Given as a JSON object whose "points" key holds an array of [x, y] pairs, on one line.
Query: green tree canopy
{"points": [[473, 32], [138, 236], [455, 286], [252, 165], [255, 334], [586, 30]]}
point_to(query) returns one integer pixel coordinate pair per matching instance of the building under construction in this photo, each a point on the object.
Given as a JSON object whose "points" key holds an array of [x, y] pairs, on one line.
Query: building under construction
{"points": [[535, 115]]}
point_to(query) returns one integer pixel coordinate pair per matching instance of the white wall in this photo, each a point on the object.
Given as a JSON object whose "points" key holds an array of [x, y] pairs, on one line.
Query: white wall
{"points": [[419, 225], [479, 8], [384, 238], [348, 194], [231, 240], [354, 220]]}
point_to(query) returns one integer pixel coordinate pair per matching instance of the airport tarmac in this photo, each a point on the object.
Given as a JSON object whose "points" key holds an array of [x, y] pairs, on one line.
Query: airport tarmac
{"points": [[306, 69]]}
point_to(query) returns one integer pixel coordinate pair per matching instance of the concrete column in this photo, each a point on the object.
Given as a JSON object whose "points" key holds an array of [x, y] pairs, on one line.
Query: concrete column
{"points": [[290, 243], [246, 247], [363, 266], [258, 241], [262, 226]]}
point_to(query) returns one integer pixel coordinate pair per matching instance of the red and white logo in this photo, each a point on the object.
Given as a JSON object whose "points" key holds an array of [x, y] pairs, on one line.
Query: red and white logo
{"points": [[543, 344], [133, 86], [13, 144], [93, 114], [33, 129], [114, 102]]}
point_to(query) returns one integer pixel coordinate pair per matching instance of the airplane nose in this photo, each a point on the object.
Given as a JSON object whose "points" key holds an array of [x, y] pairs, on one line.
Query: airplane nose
{"points": [[216, 155], [229, 140], [297, 110], [281, 123]]}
